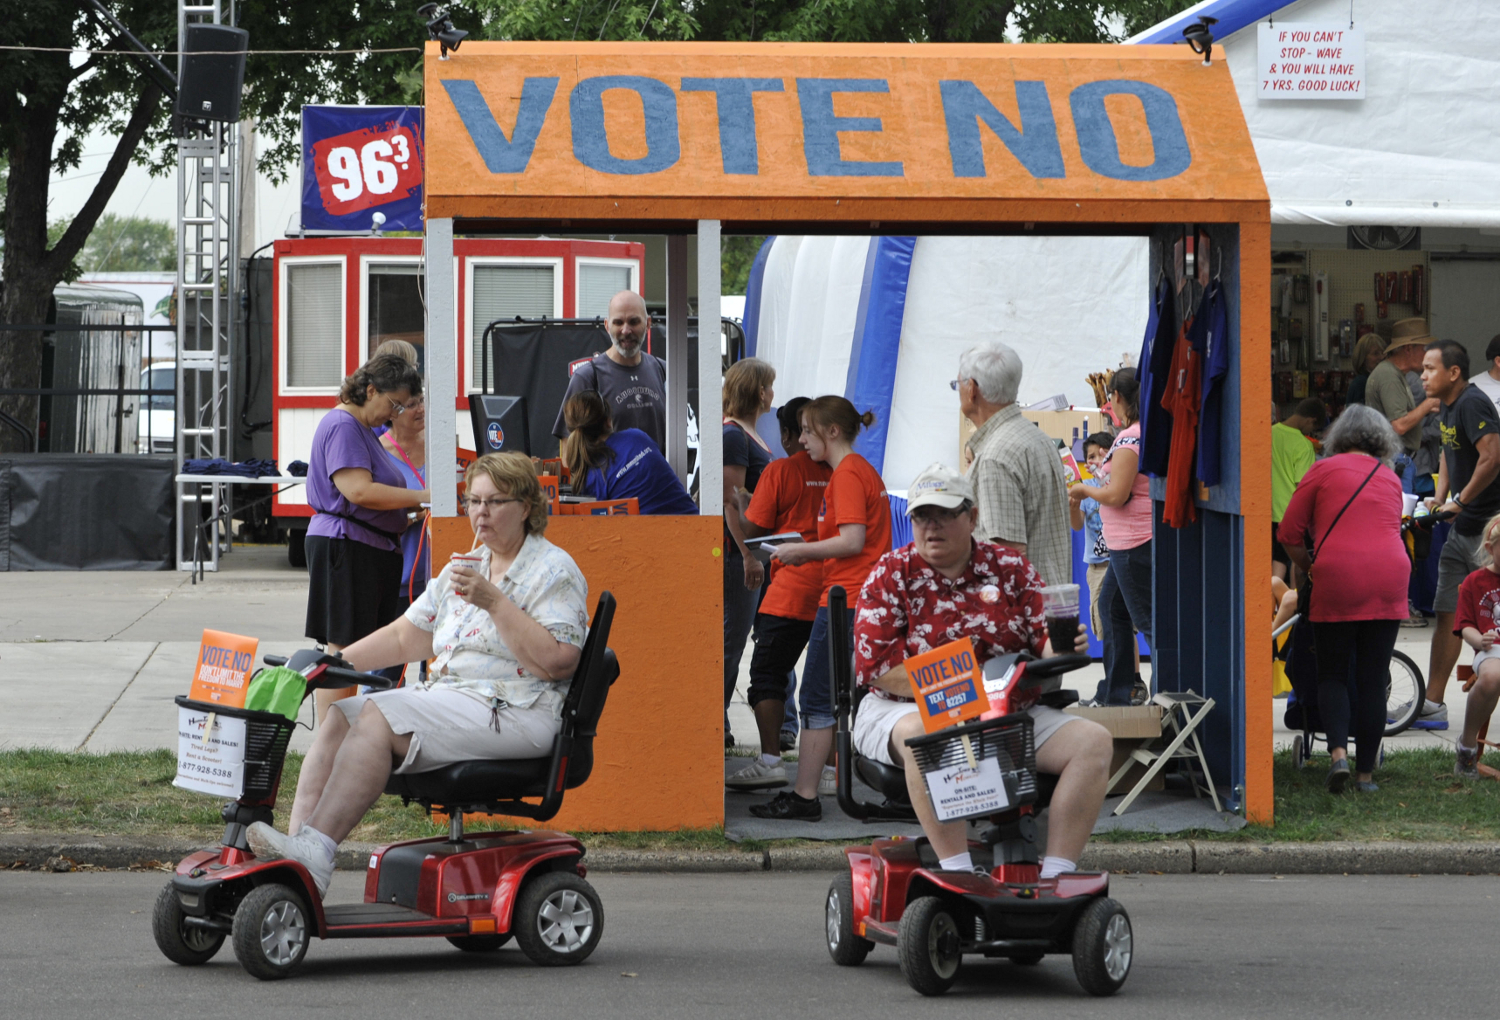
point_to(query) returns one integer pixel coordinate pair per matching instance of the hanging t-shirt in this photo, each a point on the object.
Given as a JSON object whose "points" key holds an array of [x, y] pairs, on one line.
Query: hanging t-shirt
{"points": [[788, 498], [638, 471], [1478, 602], [1464, 422], [1183, 391], [855, 495], [342, 441], [636, 395], [1153, 375], [1211, 338]]}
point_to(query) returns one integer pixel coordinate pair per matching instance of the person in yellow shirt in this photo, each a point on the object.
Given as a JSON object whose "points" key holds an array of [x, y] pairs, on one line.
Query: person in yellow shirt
{"points": [[1292, 454]]}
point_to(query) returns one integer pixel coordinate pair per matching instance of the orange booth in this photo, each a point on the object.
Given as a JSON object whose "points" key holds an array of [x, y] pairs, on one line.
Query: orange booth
{"points": [[696, 139]]}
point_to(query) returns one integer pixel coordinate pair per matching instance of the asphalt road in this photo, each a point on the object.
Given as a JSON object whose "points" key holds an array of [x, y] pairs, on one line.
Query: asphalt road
{"points": [[693, 946]]}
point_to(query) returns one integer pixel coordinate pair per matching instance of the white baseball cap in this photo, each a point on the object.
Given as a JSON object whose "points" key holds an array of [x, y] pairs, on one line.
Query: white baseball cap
{"points": [[939, 485]]}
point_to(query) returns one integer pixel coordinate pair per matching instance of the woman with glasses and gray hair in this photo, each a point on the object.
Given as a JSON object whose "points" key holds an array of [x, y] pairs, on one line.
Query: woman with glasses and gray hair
{"points": [[504, 626], [1347, 509]]}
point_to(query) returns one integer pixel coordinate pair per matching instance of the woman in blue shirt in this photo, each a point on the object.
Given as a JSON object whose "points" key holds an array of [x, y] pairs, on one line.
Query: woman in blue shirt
{"points": [[607, 464]]}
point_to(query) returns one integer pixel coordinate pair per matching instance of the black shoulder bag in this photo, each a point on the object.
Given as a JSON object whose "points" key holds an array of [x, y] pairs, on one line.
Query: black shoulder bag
{"points": [[1304, 593]]}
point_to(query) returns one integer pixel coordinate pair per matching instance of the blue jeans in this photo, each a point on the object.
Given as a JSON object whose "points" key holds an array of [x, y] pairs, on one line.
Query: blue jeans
{"points": [[1124, 608], [739, 616], [817, 676]]}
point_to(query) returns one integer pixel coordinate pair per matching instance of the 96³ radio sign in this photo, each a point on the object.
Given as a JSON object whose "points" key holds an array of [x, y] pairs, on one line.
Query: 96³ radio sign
{"points": [[366, 168]]}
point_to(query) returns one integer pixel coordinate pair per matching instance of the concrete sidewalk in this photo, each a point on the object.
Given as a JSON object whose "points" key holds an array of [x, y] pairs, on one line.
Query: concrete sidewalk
{"points": [[90, 660]]}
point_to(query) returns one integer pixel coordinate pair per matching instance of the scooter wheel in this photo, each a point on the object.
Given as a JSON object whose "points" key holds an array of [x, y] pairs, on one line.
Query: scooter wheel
{"points": [[927, 944], [1103, 947], [271, 932], [1299, 752], [558, 919], [846, 948], [178, 942], [479, 943]]}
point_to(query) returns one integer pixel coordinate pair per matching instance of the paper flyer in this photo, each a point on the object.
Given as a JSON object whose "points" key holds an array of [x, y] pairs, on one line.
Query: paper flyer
{"points": [[946, 683]]}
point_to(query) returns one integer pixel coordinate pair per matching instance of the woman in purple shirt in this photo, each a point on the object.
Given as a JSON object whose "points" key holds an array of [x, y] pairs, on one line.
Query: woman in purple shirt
{"points": [[360, 499]]}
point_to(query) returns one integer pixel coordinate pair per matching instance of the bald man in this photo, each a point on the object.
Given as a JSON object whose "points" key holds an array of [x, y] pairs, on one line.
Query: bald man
{"points": [[632, 383]]}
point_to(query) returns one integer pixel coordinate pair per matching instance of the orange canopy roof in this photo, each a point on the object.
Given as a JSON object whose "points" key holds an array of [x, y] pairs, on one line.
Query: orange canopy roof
{"points": [[767, 132]]}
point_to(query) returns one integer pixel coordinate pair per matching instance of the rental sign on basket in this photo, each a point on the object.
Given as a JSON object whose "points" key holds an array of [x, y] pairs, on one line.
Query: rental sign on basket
{"points": [[210, 745]]}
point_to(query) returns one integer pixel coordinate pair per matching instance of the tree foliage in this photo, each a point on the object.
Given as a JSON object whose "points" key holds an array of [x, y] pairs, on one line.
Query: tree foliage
{"points": [[124, 244]]}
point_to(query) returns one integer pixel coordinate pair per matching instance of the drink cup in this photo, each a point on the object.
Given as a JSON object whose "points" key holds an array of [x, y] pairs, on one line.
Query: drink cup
{"points": [[1408, 504], [470, 560], [1060, 607]]}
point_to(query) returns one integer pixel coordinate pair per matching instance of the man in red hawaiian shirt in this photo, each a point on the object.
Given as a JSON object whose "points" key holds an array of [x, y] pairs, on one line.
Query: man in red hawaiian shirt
{"points": [[943, 587]]}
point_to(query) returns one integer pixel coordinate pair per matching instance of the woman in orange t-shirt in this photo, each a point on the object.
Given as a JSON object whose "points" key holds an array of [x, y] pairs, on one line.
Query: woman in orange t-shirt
{"points": [[787, 499], [854, 531]]}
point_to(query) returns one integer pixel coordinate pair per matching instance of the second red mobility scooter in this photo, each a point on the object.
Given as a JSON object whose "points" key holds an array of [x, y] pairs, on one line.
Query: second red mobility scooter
{"points": [[475, 889], [895, 894]]}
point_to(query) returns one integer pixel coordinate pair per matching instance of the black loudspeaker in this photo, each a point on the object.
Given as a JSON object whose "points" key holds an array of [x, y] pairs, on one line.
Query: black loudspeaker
{"points": [[213, 72], [499, 424]]}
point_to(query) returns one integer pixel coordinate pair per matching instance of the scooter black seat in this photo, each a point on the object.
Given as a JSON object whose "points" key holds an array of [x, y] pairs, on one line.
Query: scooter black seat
{"points": [[497, 786], [887, 780]]}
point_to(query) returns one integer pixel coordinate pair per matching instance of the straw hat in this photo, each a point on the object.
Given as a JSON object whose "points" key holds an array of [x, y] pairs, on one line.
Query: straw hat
{"points": [[1407, 332]]}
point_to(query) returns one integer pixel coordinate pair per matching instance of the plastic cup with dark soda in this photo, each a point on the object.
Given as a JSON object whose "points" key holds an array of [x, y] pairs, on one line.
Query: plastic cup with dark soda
{"points": [[1060, 607]]}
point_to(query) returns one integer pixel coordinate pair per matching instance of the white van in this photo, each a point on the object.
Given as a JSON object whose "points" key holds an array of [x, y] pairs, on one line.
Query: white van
{"points": [[157, 422]]}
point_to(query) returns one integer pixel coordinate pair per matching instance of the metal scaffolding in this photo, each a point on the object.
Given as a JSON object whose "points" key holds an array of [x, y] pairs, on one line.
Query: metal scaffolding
{"points": [[207, 297]]}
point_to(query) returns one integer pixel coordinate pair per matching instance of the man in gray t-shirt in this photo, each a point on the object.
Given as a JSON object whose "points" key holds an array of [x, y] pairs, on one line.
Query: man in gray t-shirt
{"points": [[1387, 390], [632, 383]]}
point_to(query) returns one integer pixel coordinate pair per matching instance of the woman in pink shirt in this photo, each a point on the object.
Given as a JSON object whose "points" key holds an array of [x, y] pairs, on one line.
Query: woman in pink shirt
{"points": [[1360, 572]]}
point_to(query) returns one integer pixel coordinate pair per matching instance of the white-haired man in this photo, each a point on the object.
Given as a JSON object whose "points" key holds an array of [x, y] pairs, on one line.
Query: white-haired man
{"points": [[1017, 472], [632, 383]]}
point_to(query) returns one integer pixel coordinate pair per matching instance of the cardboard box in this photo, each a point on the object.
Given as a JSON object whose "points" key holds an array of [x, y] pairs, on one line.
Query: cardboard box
{"points": [[1055, 424], [1129, 726]]}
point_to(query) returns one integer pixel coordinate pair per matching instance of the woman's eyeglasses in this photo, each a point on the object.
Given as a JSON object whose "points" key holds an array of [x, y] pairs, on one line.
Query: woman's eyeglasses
{"points": [[470, 505]]}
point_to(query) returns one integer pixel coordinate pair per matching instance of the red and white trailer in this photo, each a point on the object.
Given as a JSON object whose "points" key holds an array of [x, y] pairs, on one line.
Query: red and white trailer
{"points": [[338, 298]]}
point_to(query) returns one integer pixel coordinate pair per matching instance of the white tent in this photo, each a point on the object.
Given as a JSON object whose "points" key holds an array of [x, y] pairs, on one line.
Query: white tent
{"points": [[1422, 149]]}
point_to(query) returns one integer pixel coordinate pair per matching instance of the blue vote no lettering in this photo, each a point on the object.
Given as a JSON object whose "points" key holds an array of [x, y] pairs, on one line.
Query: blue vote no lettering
{"points": [[1033, 140]]}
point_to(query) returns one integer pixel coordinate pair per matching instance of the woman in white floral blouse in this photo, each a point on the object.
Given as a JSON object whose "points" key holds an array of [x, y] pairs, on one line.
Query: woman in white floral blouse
{"points": [[504, 638]]}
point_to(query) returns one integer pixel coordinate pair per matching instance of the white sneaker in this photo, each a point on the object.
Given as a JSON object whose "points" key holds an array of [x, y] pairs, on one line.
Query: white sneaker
{"points": [[305, 848], [828, 784], [759, 776]]}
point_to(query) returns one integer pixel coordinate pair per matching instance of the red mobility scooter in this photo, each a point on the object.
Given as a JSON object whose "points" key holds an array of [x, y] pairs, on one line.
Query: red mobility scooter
{"points": [[475, 889], [894, 892]]}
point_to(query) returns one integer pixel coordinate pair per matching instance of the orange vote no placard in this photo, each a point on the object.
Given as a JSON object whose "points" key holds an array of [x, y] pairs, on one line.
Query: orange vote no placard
{"points": [[224, 665], [947, 683]]}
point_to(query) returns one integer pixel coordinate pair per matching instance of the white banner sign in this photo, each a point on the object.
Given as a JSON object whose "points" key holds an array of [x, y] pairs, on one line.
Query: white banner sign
{"points": [[212, 762], [963, 792], [1309, 60]]}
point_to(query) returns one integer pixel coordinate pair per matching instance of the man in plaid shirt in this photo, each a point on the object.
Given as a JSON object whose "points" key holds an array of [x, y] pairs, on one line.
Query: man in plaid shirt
{"points": [[943, 587], [1017, 472]]}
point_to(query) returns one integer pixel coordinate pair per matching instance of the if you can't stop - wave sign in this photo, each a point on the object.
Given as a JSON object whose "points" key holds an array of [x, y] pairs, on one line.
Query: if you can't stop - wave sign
{"points": [[1310, 60]]}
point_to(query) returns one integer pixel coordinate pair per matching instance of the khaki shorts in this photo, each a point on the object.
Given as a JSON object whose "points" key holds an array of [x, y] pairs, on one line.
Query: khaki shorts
{"points": [[1461, 556], [877, 717], [1095, 577], [448, 726]]}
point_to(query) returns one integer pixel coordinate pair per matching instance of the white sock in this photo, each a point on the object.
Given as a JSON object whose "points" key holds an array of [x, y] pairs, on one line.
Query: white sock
{"points": [[770, 759], [1054, 866], [1429, 705], [829, 770], [958, 862], [327, 841], [1461, 747]]}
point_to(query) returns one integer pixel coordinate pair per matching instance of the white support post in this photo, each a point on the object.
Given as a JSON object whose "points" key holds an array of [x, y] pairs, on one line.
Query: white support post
{"points": [[710, 395], [677, 381], [441, 384]]}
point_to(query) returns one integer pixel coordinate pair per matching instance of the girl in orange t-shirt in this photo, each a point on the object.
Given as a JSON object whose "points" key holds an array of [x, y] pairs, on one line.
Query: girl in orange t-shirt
{"points": [[854, 531]]}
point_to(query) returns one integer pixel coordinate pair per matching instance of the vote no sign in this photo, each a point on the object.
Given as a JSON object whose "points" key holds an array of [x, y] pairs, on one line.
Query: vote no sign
{"points": [[1310, 60]]}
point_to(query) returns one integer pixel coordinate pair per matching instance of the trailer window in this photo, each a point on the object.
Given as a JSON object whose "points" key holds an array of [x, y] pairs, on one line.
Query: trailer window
{"points": [[596, 285], [315, 325], [504, 292], [394, 306]]}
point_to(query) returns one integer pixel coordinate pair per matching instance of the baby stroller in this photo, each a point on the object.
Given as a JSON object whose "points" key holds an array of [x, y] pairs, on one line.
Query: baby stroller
{"points": [[1404, 690]]}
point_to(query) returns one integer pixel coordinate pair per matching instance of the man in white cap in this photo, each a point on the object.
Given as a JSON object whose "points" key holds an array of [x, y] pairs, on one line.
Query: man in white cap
{"points": [[943, 587]]}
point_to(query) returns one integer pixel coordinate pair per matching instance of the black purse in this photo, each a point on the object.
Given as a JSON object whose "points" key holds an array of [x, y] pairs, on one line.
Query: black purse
{"points": [[1305, 590]]}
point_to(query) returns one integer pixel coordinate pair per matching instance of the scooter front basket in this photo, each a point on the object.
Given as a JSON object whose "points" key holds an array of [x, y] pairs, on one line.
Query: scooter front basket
{"points": [[267, 735], [1009, 739]]}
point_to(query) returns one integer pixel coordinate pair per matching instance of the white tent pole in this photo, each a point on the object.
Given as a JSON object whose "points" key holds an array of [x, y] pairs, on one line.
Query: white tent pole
{"points": [[441, 384], [710, 396]]}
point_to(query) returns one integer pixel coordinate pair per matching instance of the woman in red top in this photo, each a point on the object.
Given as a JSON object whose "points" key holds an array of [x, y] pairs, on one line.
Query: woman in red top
{"points": [[854, 531], [1360, 579], [787, 499]]}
